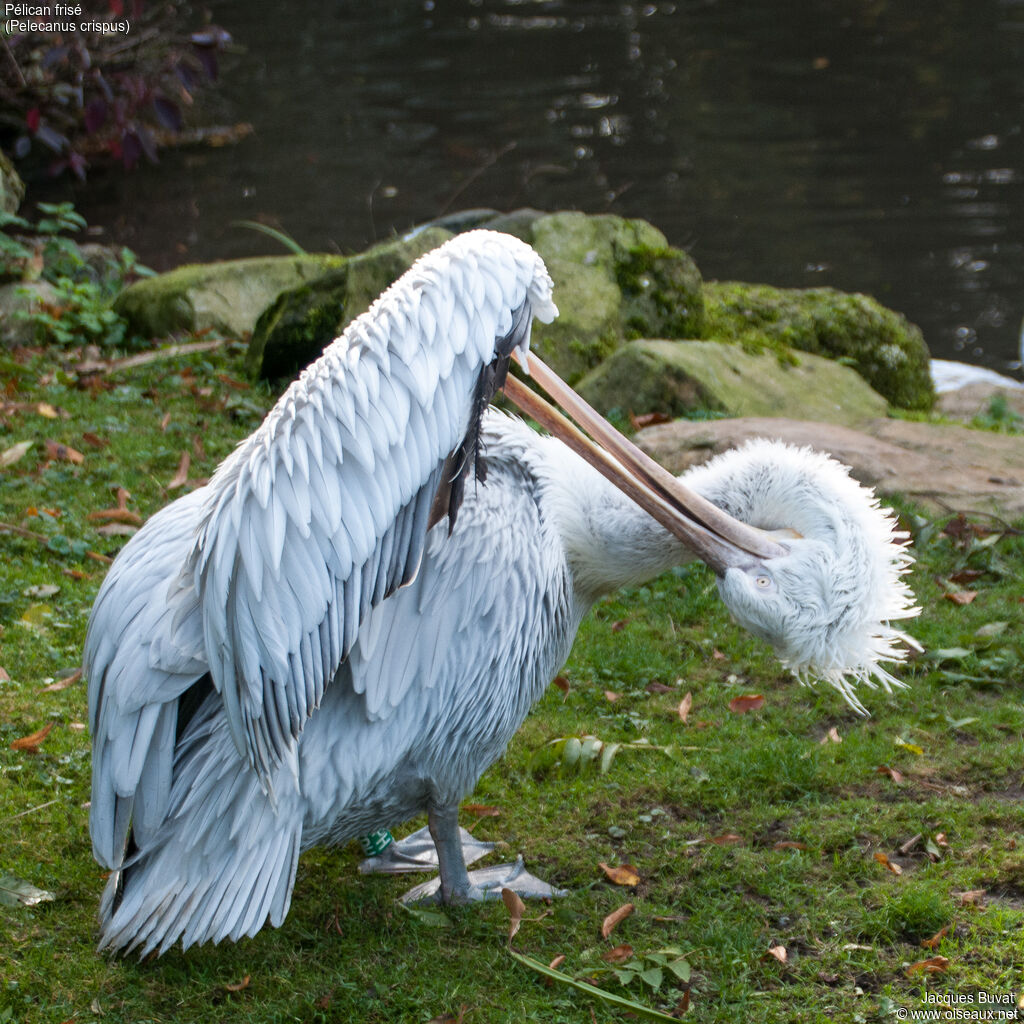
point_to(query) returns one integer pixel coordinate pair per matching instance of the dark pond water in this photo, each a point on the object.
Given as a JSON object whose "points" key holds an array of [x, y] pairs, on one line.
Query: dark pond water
{"points": [[870, 145]]}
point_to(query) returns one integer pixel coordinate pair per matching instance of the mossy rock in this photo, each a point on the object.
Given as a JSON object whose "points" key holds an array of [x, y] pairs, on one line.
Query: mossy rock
{"points": [[614, 278], [372, 271], [226, 297], [12, 188], [886, 349], [294, 329], [680, 378]]}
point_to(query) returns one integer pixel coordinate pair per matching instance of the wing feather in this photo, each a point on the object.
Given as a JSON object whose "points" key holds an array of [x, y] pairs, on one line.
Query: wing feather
{"points": [[321, 514]]}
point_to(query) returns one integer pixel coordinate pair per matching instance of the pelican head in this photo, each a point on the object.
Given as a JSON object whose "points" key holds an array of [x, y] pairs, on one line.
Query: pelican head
{"points": [[826, 603], [806, 558]]}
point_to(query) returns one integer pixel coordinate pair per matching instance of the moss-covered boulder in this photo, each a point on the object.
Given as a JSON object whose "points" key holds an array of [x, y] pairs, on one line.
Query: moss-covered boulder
{"points": [[225, 297], [615, 279], [886, 349], [293, 330], [12, 188], [679, 378]]}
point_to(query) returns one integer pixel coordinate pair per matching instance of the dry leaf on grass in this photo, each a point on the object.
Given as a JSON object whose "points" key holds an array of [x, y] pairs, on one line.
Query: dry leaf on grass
{"points": [[787, 844], [180, 478], [886, 863], [933, 942], [12, 454], [611, 696], [30, 744], [618, 955], [562, 683], [64, 453], [933, 965], [746, 702], [239, 985], [624, 874], [684, 707], [884, 769], [961, 596], [616, 917], [63, 684], [482, 810], [725, 839], [516, 908], [971, 898], [778, 953], [832, 736]]}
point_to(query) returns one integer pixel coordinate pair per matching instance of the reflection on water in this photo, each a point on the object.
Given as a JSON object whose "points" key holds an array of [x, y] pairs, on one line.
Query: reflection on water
{"points": [[872, 146]]}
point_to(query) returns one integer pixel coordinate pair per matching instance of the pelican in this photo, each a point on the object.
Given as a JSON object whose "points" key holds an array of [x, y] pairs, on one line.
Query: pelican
{"points": [[345, 627]]}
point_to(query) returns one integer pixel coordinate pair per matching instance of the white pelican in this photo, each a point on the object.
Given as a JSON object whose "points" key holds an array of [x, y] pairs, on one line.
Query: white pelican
{"points": [[344, 628]]}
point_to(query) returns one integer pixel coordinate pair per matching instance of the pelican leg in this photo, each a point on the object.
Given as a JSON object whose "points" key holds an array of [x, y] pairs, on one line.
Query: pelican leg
{"points": [[444, 830]]}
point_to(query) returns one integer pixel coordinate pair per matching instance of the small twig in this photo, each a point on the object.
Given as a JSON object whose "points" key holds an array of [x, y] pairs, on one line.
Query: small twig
{"points": [[488, 163], [21, 814], [170, 352]]}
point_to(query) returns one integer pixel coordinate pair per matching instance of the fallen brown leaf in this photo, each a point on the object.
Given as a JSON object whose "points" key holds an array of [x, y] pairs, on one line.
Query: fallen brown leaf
{"points": [[966, 575], [717, 655], [165, 422], [933, 965], [788, 845], [616, 917], [30, 744], [63, 684], [482, 810], [180, 478], [618, 955], [778, 952], [886, 863], [961, 596], [557, 962], [971, 898], [746, 702], [933, 942], [684, 707], [64, 453], [117, 515], [624, 874], [516, 908], [4, 677], [832, 736], [95, 440], [648, 419], [562, 683], [611, 696], [726, 839], [657, 687], [239, 985], [684, 1004], [884, 769], [617, 627]]}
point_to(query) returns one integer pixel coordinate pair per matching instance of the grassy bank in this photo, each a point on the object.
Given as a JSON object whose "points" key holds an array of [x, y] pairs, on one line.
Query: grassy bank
{"points": [[791, 859]]}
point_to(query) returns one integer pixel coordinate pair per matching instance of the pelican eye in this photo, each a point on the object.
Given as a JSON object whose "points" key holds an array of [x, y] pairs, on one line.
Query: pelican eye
{"points": [[763, 582]]}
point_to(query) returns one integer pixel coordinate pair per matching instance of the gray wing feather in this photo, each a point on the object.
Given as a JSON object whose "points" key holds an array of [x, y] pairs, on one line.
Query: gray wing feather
{"points": [[346, 464]]}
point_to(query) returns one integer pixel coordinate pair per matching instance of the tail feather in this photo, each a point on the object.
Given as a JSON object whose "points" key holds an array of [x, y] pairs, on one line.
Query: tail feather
{"points": [[204, 876]]}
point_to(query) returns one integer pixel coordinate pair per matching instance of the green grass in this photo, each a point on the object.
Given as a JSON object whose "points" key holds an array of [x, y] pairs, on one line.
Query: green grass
{"points": [[347, 951]]}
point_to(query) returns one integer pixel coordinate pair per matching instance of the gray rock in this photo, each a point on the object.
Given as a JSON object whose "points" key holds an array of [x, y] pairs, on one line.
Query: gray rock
{"points": [[17, 298], [940, 466], [678, 378], [225, 297]]}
